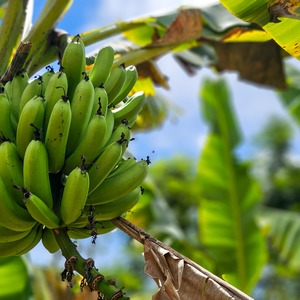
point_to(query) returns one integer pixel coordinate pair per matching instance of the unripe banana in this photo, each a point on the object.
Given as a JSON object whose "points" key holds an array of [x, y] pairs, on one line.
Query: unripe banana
{"points": [[116, 208], [8, 89], [33, 89], [81, 106], [39, 210], [49, 241], [131, 78], [122, 131], [90, 145], [18, 85], [36, 171], [9, 235], [56, 87], [130, 109], [22, 245], [86, 231], [46, 77], [6, 129], [115, 82], [102, 66], [117, 186], [73, 63], [32, 117], [122, 166], [100, 99], [11, 170], [74, 195], [57, 134], [110, 123], [34, 241], [14, 216], [104, 164]]}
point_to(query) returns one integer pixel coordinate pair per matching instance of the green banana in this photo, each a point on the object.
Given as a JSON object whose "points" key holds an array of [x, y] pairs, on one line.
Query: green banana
{"points": [[32, 117], [18, 85], [8, 89], [81, 106], [33, 89], [49, 241], [90, 145], [56, 87], [6, 129], [11, 170], [110, 123], [122, 131], [74, 195], [104, 164], [46, 77], [100, 101], [36, 171], [14, 217], [85, 231], [130, 80], [116, 208], [102, 66], [9, 235], [22, 245], [122, 166], [117, 186], [39, 210], [73, 63], [114, 83], [34, 241], [130, 109], [57, 134]]}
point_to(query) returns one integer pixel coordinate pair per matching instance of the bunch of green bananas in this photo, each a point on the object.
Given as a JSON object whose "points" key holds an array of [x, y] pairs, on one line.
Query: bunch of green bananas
{"points": [[62, 144]]}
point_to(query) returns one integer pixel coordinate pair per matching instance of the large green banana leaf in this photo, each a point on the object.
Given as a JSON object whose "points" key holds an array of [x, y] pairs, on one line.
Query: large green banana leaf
{"points": [[285, 32], [15, 281], [228, 197]]}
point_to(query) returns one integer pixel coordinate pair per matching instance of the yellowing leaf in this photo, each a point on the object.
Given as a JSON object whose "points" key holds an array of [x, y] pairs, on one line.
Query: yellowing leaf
{"points": [[142, 35], [242, 35], [146, 85]]}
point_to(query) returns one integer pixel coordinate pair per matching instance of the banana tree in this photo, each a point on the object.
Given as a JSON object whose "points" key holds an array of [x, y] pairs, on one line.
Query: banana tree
{"points": [[190, 34]]}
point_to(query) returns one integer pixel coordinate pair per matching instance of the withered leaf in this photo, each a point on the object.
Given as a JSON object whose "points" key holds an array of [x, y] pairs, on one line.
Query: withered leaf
{"points": [[178, 278], [186, 27], [259, 63], [282, 8]]}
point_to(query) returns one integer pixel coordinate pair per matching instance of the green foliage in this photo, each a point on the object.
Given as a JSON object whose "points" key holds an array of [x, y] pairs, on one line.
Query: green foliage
{"points": [[14, 270], [228, 196], [283, 229]]}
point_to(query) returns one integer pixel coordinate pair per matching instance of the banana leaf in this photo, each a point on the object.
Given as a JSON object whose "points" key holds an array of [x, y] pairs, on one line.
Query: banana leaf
{"points": [[283, 229], [228, 196], [15, 281], [282, 26]]}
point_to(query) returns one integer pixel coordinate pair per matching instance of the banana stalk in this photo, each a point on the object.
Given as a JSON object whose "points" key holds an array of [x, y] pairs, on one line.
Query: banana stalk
{"points": [[69, 251], [10, 30]]}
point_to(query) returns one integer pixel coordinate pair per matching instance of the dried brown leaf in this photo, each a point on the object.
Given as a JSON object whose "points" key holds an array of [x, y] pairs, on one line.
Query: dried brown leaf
{"points": [[260, 63], [187, 26], [177, 277]]}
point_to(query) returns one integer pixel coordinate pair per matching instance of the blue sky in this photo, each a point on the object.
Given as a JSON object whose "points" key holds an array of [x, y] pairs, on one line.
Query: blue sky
{"points": [[253, 105]]}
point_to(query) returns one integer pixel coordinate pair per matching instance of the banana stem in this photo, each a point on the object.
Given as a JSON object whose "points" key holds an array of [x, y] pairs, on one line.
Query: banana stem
{"points": [[140, 55], [11, 30], [96, 35], [85, 267], [40, 33]]}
